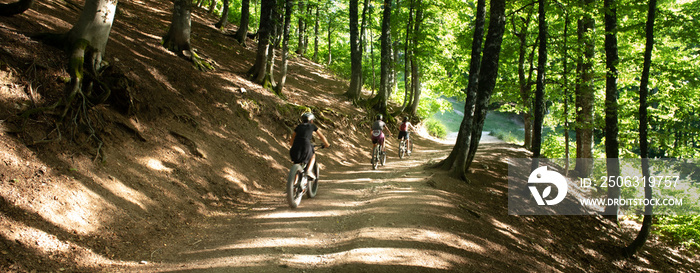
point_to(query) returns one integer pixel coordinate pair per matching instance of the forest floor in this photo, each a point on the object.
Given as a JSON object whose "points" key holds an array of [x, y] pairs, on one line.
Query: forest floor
{"points": [[193, 179]]}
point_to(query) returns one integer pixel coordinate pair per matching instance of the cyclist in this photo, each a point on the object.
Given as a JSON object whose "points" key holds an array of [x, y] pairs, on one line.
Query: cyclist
{"points": [[403, 132], [378, 133], [302, 150]]}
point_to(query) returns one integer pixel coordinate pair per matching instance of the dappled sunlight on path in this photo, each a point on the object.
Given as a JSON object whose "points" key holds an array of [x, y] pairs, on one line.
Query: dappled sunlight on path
{"points": [[385, 220]]}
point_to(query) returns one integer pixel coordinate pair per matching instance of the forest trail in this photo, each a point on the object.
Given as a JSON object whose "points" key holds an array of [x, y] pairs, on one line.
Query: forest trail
{"points": [[397, 218]]}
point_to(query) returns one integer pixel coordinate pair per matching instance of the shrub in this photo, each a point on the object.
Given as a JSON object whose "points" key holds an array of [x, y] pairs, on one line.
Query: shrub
{"points": [[436, 128]]}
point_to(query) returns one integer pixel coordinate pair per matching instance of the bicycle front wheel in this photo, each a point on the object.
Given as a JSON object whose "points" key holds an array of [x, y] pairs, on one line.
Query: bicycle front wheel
{"points": [[294, 190], [375, 157], [313, 185], [382, 157]]}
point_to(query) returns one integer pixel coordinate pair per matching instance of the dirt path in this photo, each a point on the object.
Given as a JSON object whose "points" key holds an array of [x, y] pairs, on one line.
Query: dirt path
{"points": [[393, 219]]}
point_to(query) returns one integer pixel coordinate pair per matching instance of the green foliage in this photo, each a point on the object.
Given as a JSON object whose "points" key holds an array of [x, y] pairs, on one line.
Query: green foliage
{"points": [[436, 128], [684, 228]]}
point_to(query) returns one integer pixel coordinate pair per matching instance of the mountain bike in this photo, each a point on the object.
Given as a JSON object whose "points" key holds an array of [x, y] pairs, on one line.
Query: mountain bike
{"points": [[298, 183], [378, 156]]}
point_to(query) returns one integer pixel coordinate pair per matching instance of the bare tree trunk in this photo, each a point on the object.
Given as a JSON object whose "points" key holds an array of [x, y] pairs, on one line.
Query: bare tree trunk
{"points": [[523, 82], [87, 41], [456, 161], [212, 5], [316, 28], [15, 8], [585, 96], [242, 32], [539, 90], [355, 88], [407, 59], [488, 74], [223, 22], [641, 239], [301, 47], [330, 32], [289, 4], [385, 83], [259, 70], [611, 144], [415, 77], [178, 37]]}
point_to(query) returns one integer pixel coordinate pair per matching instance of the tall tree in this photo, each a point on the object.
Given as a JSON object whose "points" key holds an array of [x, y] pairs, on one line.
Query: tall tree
{"points": [[177, 39], [457, 160], [316, 29], [87, 41], [386, 65], [488, 73], [355, 88], [612, 151], [585, 93], [644, 231], [539, 89], [525, 83], [212, 5], [223, 21], [14, 8], [301, 30], [259, 72], [415, 77], [288, 5], [407, 59], [242, 32]]}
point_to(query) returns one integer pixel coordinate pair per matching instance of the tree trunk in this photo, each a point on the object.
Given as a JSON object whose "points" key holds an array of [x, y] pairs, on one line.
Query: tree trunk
{"points": [[258, 71], [316, 28], [15, 8], [565, 77], [223, 22], [539, 90], [212, 5], [301, 47], [288, 5], [407, 59], [178, 37], [275, 39], [611, 144], [330, 32], [523, 82], [355, 88], [242, 32], [386, 62], [415, 77], [456, 161], [641, 239], [488, 74], [87, 41], [585, 95]]}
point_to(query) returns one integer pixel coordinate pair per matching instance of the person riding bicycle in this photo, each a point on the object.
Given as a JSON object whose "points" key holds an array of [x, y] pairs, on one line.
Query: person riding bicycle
{"points": [[302, 151], [378, 133], [403, 131]]}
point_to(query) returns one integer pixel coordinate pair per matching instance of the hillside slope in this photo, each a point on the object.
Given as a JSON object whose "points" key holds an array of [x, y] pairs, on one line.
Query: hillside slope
{"points": [[200, 164], [196, 146]]}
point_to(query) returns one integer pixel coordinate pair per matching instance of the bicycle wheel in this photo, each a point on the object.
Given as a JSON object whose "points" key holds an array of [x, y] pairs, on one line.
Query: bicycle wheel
{"points": [[313, 185], [294, 190], [402, 148], [375, 157], [382, 157]]}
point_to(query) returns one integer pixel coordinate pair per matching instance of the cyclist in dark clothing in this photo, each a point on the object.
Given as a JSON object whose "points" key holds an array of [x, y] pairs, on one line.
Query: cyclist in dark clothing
{"points": [[302, 150]]}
